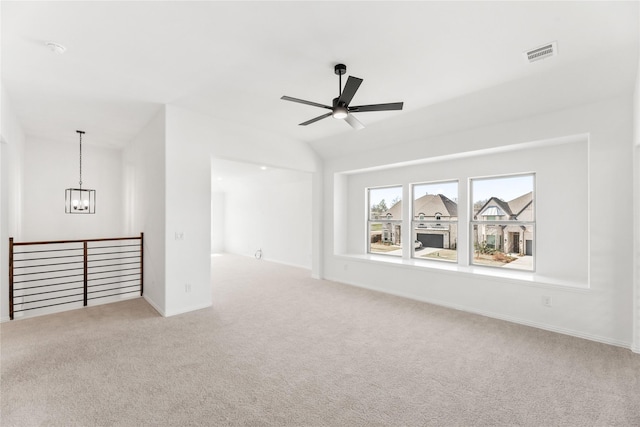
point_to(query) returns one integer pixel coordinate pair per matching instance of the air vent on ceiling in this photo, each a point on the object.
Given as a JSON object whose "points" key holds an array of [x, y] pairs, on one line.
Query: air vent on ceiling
{"points": [[542, 52]]}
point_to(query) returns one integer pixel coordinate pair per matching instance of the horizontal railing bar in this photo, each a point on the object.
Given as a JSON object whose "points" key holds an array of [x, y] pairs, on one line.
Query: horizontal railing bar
{"points": [[48, 278], [111, 271], [48, 250], [57, 242], [50, 271], [113, 289], [49, 299], [114, 252], [113, 283], [48, 257], [47, 265], [113, 295], [113, 259], [95, 267], [45, 286], [113, 265], [113, 277], [116, 281], [113, 246], [44, 306], [48, 292]]}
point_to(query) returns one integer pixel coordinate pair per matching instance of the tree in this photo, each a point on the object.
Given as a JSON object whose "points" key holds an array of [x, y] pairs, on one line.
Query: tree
{"points": [[380, 207]]}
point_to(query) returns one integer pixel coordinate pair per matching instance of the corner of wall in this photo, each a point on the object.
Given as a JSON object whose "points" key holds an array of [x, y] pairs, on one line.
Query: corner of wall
{"points": [[155, 306], [636, 210], [144, 182], [12, 141]]}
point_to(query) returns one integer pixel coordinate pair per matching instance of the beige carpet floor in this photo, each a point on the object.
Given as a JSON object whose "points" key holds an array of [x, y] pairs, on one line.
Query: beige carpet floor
{"points": [[280, 349]]}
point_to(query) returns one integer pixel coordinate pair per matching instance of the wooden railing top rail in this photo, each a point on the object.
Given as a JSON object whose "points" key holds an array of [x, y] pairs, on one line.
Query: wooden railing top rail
{"points": [[75, 241]]}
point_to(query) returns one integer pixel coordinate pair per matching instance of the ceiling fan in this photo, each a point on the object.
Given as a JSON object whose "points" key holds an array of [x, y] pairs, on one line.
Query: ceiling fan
{"points": [[341, 108]]}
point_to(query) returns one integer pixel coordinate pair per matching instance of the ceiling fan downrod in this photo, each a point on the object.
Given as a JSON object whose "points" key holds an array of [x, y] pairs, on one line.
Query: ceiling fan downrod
{"points": [[340, 69]]}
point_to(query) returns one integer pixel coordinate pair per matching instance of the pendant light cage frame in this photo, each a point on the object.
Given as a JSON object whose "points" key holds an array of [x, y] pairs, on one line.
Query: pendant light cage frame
{"points": [[80, 200]]}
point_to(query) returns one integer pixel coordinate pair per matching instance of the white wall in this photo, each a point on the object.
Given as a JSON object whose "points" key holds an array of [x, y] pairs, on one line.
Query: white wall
{"points": [[636, 209], [12, 141], [218, 202], [50, 168], [188, 193], [271, 212], [603, 311], [188, 214], [168, 192], [144, 204]]}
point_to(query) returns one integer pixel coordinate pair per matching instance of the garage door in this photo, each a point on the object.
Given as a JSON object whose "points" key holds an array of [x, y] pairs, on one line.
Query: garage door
{"points": [[431, 240]]}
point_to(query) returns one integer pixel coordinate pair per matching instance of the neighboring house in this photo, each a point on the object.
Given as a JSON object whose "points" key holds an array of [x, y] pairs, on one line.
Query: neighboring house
{"points": [[435, 219], [391, 232], [517, 239], [428, 211]]}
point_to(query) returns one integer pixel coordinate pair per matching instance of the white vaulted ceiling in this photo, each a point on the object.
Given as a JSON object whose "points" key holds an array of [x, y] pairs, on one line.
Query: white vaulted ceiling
{"points": [[234, 60]]}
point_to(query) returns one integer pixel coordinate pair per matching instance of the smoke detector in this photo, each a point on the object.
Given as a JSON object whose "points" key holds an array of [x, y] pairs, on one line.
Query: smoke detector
{"points": [[56, 48], [542, 52]]}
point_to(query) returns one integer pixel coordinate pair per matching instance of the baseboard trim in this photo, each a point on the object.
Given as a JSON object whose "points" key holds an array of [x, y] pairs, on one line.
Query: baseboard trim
{"points": [[267, 259], [5, 319], [187, 309], [520, 321], [288, 264]]}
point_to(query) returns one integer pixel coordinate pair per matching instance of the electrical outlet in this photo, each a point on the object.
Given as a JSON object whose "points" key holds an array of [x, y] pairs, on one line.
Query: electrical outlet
{"points": [[547, 301], [187, 287]]}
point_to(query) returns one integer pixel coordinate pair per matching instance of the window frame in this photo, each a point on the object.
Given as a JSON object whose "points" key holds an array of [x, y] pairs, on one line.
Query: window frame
{"points": [[437, 221], [524, 224], [382, 220]]}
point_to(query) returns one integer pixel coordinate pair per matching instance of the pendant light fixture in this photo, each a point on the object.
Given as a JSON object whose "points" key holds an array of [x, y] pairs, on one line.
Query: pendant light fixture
{"points": [[80, 200]]}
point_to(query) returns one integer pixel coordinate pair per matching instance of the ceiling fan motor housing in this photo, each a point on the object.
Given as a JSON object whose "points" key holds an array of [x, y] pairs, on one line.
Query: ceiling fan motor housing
{"points": [[340, 69]]}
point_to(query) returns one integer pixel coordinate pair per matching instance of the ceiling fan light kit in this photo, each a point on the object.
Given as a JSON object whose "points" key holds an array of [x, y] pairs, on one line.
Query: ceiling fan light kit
{"points": [[340, 108]]}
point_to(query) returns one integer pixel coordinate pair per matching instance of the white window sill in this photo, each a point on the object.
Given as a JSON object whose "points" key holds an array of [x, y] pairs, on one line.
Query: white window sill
{"points": [[522, 277]]}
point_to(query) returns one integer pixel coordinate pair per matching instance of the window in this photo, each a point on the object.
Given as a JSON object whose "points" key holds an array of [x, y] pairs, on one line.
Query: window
{"points": [[385, 220], [503, 222], [435, 221]]}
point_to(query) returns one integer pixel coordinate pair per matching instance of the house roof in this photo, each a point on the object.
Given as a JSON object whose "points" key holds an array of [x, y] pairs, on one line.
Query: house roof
{"points": [[395, 211], [495, 206], [429, 204], [522, 207], [519, 208]]}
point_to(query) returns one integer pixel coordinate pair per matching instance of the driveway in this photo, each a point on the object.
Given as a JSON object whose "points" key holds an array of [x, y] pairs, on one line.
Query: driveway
{"points": [[523, 263]]}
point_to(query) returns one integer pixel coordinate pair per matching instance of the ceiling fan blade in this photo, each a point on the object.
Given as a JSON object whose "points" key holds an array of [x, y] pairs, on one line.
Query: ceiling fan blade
{"points": [[302, 101], [355, 123], [377, 107], [308, 122], [353, 83]]}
